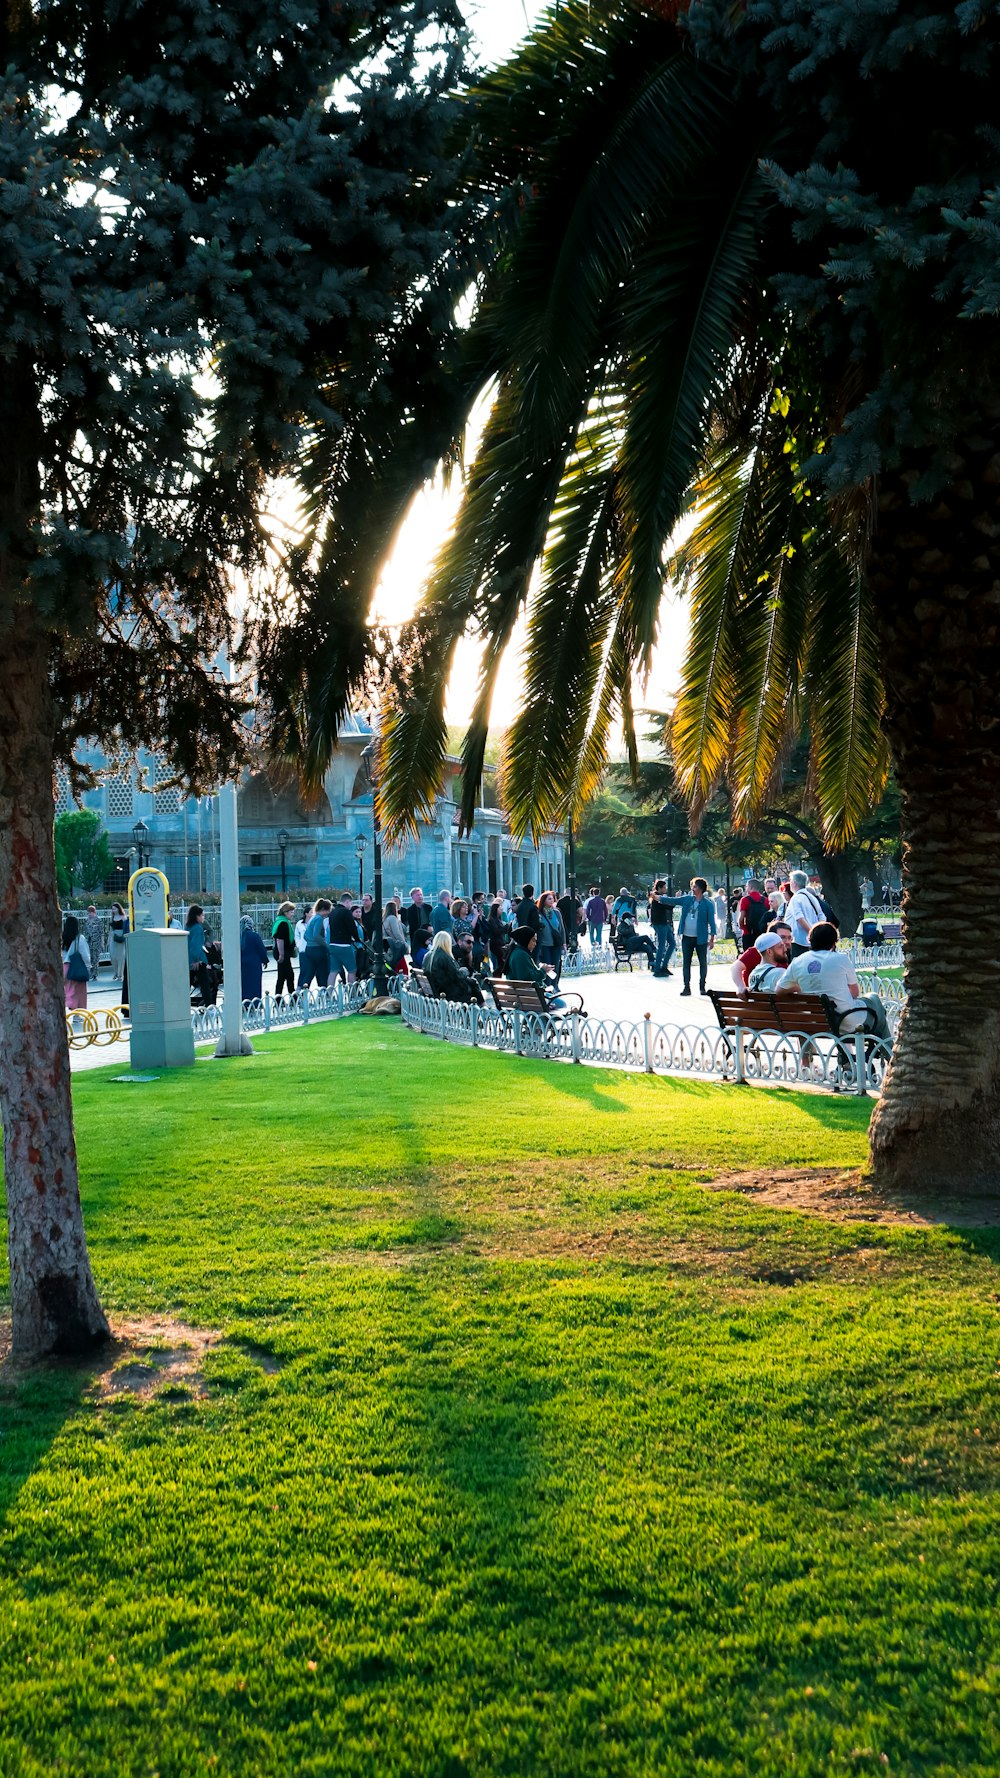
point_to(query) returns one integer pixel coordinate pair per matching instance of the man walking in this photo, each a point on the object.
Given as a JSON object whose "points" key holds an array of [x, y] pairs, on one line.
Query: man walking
{"points": [[596, 912], [697, 925]]}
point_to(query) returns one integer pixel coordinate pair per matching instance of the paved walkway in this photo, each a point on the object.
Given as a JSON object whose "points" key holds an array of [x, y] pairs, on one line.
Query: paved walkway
{"points": [[608, 996]]}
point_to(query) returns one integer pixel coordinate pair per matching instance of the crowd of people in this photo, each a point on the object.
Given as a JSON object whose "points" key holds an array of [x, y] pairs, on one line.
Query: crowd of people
{"points": [[790, 947], [785, 929]]}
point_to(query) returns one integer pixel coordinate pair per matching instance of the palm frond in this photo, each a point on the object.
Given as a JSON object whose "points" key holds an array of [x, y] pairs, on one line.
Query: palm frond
{"points": [[849, 752], [719, 561], [682, 320], [564, 652]]}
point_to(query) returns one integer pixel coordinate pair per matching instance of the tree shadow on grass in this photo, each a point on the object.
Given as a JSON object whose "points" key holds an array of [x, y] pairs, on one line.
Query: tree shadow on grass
{"points": [[36, 1401]]}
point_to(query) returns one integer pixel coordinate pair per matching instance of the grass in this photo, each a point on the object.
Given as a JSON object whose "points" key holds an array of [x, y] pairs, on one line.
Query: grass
{"points": [[509, 1459]]}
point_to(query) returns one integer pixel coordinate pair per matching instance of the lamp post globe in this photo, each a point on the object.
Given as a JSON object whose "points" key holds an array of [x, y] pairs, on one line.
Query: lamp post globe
{"points": [[140, 834]]}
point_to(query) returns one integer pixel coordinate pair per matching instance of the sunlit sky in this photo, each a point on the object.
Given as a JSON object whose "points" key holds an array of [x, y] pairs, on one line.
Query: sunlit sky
{"points": [[498, 26]]}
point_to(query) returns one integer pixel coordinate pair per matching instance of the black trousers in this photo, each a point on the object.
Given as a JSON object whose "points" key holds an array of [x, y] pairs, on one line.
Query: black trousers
{"points": [[688, 948], [286, 977]]}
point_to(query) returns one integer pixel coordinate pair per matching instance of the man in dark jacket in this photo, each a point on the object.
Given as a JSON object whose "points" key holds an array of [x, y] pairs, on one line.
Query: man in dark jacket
{"points": [[416, 915], [661, 918], [526, 911], [570, 907]]}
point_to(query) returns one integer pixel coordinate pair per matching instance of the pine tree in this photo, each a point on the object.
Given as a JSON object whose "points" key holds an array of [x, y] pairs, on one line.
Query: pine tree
{"points": [[215, 215]]}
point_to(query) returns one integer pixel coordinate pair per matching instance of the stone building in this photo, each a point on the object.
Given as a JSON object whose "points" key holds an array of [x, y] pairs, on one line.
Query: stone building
{"points": [[288, 846]]}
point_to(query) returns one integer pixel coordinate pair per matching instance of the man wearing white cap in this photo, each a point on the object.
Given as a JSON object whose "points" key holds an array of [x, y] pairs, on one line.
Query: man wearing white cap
{"points": [[775, 956]]}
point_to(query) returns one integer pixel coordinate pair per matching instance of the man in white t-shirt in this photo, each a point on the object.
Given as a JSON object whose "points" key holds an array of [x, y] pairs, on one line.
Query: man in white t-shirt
{"points": [[825, 970], [802, 913]]}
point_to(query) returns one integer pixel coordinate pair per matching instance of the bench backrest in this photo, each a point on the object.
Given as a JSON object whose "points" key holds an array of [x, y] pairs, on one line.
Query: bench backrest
{"points": [[813, 1014], [524, 996], [421, 984]]}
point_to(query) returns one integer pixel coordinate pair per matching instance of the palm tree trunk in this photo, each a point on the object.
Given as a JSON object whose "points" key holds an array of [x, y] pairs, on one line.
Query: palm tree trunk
{"points": [[53, 1298], [935, 575]]}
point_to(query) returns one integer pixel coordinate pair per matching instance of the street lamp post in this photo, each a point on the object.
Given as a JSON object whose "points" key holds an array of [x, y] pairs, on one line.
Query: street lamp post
{"points": [[361, 847], [670, 813], [283, 840], [381, 984], [140, 834]]}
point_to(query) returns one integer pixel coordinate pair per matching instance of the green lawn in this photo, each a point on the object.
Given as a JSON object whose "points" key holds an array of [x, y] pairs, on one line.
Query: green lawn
{"points": [[521, 1453]]}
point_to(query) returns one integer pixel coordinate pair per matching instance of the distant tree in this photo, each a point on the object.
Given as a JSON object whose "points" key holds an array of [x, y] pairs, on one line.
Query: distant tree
{"points": [[83, 857], [219, 224], [788, 824]]}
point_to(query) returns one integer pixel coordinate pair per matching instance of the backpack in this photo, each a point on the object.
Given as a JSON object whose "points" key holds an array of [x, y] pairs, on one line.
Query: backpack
{"points": [[756, 918]]}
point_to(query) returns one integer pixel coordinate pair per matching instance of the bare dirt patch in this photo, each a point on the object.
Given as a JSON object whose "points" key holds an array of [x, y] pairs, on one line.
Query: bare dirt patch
{"points": [[154, 1355], [142, 1359], [847, 1197]]}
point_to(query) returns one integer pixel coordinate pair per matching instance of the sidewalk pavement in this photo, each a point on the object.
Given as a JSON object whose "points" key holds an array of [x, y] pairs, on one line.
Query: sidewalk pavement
{"points": [[607, 996]]}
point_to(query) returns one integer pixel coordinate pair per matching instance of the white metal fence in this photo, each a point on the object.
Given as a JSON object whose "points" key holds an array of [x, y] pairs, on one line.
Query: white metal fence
{"points": [[854, 1063]]}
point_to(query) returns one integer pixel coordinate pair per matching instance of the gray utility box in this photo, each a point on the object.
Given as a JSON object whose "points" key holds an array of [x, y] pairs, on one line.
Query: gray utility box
{"points": [[159, 992]]}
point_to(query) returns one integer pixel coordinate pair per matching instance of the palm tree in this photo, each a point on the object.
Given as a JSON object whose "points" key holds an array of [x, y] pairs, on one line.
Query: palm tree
{"points": [[727, 278]]}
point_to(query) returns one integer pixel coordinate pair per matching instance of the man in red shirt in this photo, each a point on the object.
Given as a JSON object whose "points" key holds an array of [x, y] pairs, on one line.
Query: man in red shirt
{"points": [[754, 913]]}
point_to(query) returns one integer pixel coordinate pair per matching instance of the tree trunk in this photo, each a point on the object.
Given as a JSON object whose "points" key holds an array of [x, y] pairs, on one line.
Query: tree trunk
{"points": [[53, 1299], [935, 575], [842, 889]]}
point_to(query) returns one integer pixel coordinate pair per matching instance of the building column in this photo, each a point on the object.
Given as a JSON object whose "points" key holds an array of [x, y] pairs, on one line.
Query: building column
{"points": [[446, 864]]}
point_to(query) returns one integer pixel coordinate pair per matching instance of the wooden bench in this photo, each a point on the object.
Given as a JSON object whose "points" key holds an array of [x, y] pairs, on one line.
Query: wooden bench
{"points": [[623, 955], [808, 1015], [422, 985], [799, 1015], [527, 997]]}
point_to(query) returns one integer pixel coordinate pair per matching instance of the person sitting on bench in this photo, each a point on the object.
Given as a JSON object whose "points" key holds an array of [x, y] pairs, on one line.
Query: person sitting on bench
{"points": [[775, 955], [629, 941], [521, 967], [446, 978], [825, 970]]}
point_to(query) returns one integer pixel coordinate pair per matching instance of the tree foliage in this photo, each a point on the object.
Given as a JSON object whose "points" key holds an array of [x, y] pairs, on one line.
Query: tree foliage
{"points": [[216, 221], [83, 855]]}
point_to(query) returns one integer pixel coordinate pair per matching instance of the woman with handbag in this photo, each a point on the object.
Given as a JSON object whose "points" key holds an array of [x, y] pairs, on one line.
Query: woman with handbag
{"points": [[76, 964]]}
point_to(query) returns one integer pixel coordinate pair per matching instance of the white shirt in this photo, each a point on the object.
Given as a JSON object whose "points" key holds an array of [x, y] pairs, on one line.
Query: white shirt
{"points": [[764, 978], [300, 936], [802, 912], [827, 972], [720, 914]]}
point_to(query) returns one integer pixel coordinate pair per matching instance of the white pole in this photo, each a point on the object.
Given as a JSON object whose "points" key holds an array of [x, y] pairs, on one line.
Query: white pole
{"points": [[232, 1042]]}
